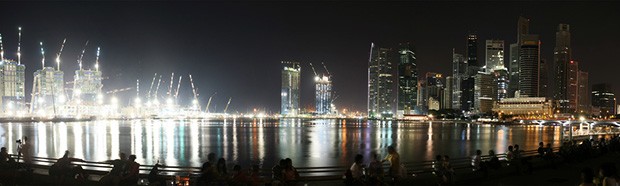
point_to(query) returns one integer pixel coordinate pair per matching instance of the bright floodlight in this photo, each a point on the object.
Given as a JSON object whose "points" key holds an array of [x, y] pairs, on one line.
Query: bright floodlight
{"points": [[169, 101], [62, 99]]}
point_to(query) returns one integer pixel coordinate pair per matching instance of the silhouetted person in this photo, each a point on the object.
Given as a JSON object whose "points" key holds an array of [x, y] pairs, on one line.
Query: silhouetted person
{"points": [[131, 174], [375, 170], [118, 167], [587, 177], [609, 174], [154, 178], [238, 177], [221, 167], [208, 170], [25, 150], [394, 158], [289, 173], [4, 156]]}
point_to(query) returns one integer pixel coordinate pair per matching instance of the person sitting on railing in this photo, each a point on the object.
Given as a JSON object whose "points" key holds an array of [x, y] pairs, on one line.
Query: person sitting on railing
{"points": [[439, 170], [221, 169], [25, 150], [550, 155], [255, 176], [132, 172], [289, 173], [276, 172], [208, 170], [4, 157], [493, 162], [354, 175], [63, 169], [394, 158], [154, 178], [609, 174], [375, 170], [238, 177], [541, 149], [476, 161], [525, 161], [118, 167], [448, 169]]}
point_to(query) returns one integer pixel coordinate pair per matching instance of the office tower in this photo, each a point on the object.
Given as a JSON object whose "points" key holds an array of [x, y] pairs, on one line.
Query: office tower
{"points": [[459, 72], [494, 55], [12, 86], [433, 90], [523, 29], [48, 91], [323, 94], [604, 99], [500, 78], [544, 80], [583, 95], [572, 89], [472, 51], [467, 83], [407, 80], [561, 60], [529, 65], [422, 95], [380, 83], [446, 102], [484, 92], [290, 88]]}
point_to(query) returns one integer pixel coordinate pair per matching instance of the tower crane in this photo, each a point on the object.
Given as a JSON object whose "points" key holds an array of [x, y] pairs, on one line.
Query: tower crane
{"points": [[209, 102], [82, 55], [225, 109], [60, 53], [1, 49], [19, 46], [169, 93], [315, 75], [195, 101], [157, 89], [151, 87], [176, 93], [325, 67]]}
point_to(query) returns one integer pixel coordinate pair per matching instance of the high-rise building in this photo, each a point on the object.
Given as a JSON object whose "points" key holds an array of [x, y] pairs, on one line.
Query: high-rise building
{"points": [[323, 94], [523, 29], [472, 51], [543, 85], [12, 86], [494, 55], [604, 99], [561, 60], [459, 72], [583, 94], [380, 83], [48, 92], [87, 87], [446, 100], [529, 66], [500, 78], [407, 80], [467, 83], [572, 89], [290, 88], [434, 89], [422, 95], [484, 92]]}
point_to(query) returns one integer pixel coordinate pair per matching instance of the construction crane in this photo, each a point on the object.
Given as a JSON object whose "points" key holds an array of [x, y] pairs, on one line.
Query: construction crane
{"points": [[118, 90], [209, 102], [1, 49], [176, 93], [97, 59], [60, 53], [315, 75], [169, 93], [157, 89], [19, 46], [225, 109], [195, 101], [82, 55], [151, 87], [42, 55], [325, 67]]}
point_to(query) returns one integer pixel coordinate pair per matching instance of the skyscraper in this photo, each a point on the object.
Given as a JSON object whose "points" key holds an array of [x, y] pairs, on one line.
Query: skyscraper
{"points": [[380, 83], [472, 51], [604, 99], [290, 88], [433, 90], [529, 66], [323, 94], [561, 60], [459, 72], [49, 91], [500, 78], [544, 79], [407, 80], [467, 83], [583, 95], [446, 102], [12, 86], [572, 89], [494, 55], [484, 92], [523, 29]]}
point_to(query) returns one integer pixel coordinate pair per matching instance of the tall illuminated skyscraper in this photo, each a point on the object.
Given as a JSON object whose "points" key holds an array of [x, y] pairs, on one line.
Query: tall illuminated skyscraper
{"points": [[290, 88], [407, 80], [494, 54], [529, 66], [323, 94], [12, 86], [459, 72], [523, 29], [380, 83], [48, 91], [561, 59]]}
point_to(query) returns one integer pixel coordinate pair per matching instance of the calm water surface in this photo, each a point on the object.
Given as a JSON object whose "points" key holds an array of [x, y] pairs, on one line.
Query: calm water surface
{"points": [[307, 142]]}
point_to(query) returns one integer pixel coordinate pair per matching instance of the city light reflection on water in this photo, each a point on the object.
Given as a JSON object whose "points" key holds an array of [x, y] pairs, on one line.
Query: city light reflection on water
{"points": [[324, 142]]}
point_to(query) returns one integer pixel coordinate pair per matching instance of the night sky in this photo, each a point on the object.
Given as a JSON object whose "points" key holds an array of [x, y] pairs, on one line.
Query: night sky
{"points": [[235, 49]]}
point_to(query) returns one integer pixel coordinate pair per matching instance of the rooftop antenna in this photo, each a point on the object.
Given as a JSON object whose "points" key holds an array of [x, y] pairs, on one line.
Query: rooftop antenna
{"points": [[97, 59], [313, 70], [176, 93], [82, 55], [42, 55], [19, 46], [151, 87], [60, 52], [1, 49], [325, 67]]}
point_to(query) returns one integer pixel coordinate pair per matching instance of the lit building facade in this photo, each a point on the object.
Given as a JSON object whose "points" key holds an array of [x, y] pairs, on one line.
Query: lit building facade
{"points": [[500, 78], [484, 92], [446, 100], [583, 94], [523, 29], [434, 88], [87, 87], [323, 95], [48, 91], [407, 80], [604, 99], [524, 107], [572, 89], [494, 55], [380, 83], [290, 89], [459, 72], [12, 86]]}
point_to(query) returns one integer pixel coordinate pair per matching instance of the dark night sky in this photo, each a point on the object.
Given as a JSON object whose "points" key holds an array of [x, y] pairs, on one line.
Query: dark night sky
{"points": [[235, 49]]}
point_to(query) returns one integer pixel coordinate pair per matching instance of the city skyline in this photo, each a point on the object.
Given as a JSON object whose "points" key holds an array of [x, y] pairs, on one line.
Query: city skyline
{"points": [[222, 53]]}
